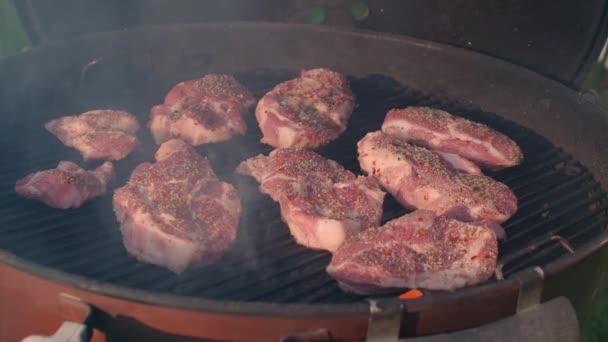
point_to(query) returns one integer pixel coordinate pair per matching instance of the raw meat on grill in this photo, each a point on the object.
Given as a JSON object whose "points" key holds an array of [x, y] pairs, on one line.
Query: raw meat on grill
{"points": [[460, 164], [417, 250], [442, 131], [175, 213], [282, 168], [306, 112], [97, 134], [202, 111], [67, 186], [322, 203], [421, 179]]}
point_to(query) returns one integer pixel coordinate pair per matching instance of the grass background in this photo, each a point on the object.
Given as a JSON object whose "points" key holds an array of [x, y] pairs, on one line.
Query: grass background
{"points": [[13, 39], [12, 36]]}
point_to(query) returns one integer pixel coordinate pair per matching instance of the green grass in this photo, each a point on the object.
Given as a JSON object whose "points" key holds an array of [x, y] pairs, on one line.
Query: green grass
{"points": [[595, 328], [12, 36]]}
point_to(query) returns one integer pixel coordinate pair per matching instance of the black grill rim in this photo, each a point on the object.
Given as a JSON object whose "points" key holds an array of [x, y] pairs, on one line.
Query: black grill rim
{"points": [[301, 310], [287, 309]]}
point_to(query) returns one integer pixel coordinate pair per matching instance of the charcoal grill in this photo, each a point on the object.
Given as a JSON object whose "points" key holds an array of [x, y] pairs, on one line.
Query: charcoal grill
{"points": [[267, 287]]}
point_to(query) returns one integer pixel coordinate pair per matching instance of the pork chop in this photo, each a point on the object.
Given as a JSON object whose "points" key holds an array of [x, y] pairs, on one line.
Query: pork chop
{"points": [[306, 112], [417, 250], [175, 213], [442, 131], [322, 203], [67, 186], [460, 164], [421, 179], [206, 110], [97, 134]]}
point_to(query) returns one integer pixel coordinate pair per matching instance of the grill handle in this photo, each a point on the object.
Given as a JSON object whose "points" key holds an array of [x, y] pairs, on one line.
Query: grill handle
{"points": [[67, 332], [551, 321], [74, 328], [554, 320]]}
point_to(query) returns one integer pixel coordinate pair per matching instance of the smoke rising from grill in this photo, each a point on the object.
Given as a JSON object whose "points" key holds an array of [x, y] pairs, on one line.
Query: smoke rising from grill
{"points": [[264, 263]]}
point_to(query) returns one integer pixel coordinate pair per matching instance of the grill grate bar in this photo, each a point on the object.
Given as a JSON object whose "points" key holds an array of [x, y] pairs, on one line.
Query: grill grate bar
{"points": [[138, 280], [318, 295], [579, 238], [234, 262], [25, 239], [117, 269], [148, 279], [548, 205], [542, 157], [314, 278], [59, 255], [321, 283], [262, 282], [293, 253], [108, 247], [538, 168], [23, 223], [525, 260], [340, 296], [545, 191], [531, 181], [66, 237], [12, 173], [103, 251], [573, 220], [538, 205]]}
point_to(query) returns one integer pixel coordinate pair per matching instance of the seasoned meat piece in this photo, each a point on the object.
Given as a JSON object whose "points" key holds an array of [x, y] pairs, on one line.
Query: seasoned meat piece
{"points": [[420, 179], [460, 164], [67, 186], [442, 131], [306, 112], [418, 250], [322, 203], [97, 134], [202, 111], [175, 213]]}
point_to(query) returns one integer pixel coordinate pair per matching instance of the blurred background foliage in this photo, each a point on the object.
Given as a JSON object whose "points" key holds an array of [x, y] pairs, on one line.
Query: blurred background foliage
{"points": [[12, 36]]}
